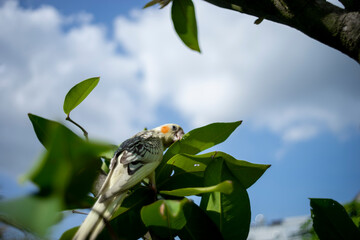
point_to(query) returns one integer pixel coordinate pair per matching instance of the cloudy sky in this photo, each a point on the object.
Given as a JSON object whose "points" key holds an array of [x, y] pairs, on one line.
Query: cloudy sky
{"points": [[298, 98]]}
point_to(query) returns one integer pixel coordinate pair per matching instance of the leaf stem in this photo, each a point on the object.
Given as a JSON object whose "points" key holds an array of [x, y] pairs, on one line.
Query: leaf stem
{"points": [[78, 125], [78, 212]]}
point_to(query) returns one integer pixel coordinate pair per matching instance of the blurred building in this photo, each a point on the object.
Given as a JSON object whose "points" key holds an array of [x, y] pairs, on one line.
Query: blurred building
{"points": [[288, 228]]}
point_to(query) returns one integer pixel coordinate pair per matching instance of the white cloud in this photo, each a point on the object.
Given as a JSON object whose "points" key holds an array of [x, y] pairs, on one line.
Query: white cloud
{"points": [[42, 58], [268, 75], [41, 61], [298, 133]]}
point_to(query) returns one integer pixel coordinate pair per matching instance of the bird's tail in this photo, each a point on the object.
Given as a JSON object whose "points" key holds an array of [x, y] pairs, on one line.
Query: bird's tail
{"points": [[101, 212]]}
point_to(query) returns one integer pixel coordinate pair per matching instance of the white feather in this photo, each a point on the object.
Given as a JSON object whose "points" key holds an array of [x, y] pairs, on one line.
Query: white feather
{"points": [[136, 159]]}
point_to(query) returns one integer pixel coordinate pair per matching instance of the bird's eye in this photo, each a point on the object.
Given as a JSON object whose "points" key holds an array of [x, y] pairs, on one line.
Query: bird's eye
{"points": [[174, 128]]}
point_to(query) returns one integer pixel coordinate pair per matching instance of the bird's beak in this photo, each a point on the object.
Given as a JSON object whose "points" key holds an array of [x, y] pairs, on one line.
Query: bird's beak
{"points": [[178, 135]]}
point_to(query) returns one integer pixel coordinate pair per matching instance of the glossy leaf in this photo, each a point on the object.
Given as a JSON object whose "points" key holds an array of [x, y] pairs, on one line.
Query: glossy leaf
{"points": [[169, 218], [223, 187], [165, 217], [198, 224], [247, 173], [31, 213], [195, 141], [78, 93], [188, 170], [184, 20], [202, 138], [231, 213], [331, 221]]}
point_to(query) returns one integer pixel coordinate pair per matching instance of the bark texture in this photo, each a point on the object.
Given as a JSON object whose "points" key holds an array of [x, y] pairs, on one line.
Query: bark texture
{"points": [[334, 26]]}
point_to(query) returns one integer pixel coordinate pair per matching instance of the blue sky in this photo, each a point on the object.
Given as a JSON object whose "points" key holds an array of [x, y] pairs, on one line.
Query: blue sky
{"points": [[299, 99]]}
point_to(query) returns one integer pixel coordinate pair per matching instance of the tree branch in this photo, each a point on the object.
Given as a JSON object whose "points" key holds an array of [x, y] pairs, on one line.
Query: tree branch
{"points": [[78, 125], [336, 27]]}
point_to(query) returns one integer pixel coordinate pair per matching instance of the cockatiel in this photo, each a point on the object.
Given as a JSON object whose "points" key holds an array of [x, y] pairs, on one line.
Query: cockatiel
{"points": [[135, 159]]}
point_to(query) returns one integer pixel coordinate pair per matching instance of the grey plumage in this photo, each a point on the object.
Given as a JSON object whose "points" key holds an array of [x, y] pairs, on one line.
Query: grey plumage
{"points": [[135, 159]]}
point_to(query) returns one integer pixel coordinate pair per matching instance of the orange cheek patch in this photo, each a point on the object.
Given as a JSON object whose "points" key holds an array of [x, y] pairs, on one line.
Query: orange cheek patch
{"points": [[165, 129]]}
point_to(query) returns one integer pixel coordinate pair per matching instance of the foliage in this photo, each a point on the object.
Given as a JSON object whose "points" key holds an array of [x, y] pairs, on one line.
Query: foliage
{"points": [[183, 17], [78, 93], [331, 220], [65, 174], [184, 20], [353, 209]]}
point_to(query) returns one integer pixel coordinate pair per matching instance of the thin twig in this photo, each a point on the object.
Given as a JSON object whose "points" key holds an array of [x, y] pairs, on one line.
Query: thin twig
{"points": [[78, 212], [78, 125]]}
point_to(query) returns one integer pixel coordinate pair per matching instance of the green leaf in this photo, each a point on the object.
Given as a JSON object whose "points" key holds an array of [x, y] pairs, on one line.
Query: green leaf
{"points": [[184, 20], [162, 3], [138, 198], [353, 209], [68, 168], [195, 141], [151, 3], [169, 218], [331, 221], [69, 234], [44, 128], [198, 224], [78, 93], [126, 222], [188, 170], [247, 173], [227, 211], [108, 155], [202, 138], [230, 212], [224, 187], [165, 217], [31, 213]]}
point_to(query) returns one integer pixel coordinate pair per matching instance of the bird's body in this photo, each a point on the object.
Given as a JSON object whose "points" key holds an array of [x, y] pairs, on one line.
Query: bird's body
{"points": [[135, 159]]}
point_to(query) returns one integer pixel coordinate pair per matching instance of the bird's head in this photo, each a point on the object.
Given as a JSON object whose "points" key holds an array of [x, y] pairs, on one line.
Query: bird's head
{"points": [[170, 133]]}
